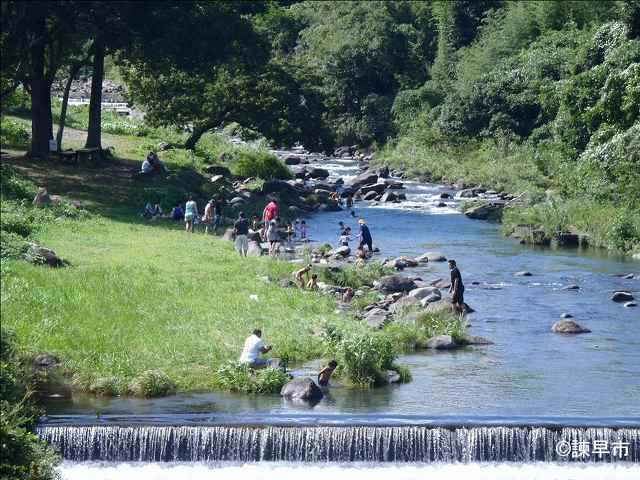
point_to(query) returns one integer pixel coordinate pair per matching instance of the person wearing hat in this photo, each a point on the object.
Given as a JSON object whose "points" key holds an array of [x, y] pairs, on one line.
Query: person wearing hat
{"points": [[457, 287], [365, 235]]}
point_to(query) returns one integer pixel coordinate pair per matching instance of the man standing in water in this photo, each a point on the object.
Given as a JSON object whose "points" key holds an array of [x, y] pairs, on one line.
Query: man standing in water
{"points": [[253, 347], [457, 287], [365, 236]]}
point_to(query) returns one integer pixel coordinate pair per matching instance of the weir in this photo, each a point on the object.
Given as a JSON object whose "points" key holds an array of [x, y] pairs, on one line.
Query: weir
{"points": [[330, 438]]}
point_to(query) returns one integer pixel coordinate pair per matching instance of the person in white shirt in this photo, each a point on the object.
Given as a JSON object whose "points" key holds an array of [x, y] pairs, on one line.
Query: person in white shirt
{"points": [[253, 347]]}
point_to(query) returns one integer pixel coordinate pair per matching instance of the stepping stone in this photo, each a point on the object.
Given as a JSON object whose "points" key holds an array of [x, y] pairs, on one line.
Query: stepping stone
{"points": [[622, 297]]}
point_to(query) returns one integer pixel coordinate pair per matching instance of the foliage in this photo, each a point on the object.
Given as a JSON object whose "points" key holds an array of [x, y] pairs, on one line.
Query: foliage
{"points": [[13, 134], [236, 377], [152, 383], [355, 276], [23, 454], [363, 358], [254, 163]]}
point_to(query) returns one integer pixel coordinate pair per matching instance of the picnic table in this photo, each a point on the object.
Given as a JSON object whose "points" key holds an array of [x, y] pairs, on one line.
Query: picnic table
{"points": [[81, 155]]}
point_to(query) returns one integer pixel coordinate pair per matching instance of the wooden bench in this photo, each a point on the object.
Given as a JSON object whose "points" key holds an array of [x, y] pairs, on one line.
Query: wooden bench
{"points": [[89, 155], [68, 156]]}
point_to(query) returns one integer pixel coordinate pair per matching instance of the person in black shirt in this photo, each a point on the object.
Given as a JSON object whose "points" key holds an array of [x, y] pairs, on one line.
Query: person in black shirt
{"points": [[457, 287], [241, 230], [365, 236]]}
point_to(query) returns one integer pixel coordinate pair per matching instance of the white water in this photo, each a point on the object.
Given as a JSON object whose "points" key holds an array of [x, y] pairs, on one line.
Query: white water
{"points": [[290, 471]]}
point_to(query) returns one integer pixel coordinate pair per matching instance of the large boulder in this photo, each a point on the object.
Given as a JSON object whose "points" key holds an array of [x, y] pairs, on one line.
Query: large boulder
{"points": [[292, 160], [568, 326], [393, 184], [432, 257], [432, 298], [485, 211], [340, 252], [318, 173], [278, 186], [302, 388], [473, 340], [376, 317], [621, 297], [441, 342], [383, 172], [395, 283], [370, 196], [366, 178], [389, 197], [424, 292], [40, 255], [403, 303], [379, 188]]}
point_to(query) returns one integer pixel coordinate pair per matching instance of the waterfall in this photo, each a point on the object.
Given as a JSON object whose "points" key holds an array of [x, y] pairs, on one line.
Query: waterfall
{"points": [[343, 443]]}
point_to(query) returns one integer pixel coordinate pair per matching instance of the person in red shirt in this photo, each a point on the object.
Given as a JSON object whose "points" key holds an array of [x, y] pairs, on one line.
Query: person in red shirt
{"points": [[270, 213]]}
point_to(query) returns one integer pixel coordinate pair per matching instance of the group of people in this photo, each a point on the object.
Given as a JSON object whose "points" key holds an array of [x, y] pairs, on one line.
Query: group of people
{"points": [[305, 278], [254, 347], [364, 237]]}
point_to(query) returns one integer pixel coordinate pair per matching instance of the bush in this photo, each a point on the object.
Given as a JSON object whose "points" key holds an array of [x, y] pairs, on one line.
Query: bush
{"points": [[13, 134], [363, 358], [354, 276], [15, 186], [152, 383], [234, 377], [106, 386], [260, 164]]}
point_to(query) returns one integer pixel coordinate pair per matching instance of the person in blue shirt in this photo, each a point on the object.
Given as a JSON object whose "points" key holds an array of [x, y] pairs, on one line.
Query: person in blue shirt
{"points": [[365, 236]]}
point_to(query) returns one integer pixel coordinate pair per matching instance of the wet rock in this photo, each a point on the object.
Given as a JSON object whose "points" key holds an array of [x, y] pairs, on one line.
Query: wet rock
{"points": [[571, 287], [395, 283], [279, 186], [631, 304], [441, 342], [383, 172], [389, 197], [629, 276], [473, 340], [622, 297], [318, 173], [424, 292], [393, 184], [402, 303], [522, 274], [341, 252], [486, 211], [376, 317], [292, 160], [432, 298], [472, 192], [302, 388], [445, 195], [370, 196], [392, 376], [379, 188], [566, 315], [402, 196], [568, 326], [366, 178], [441, 205], [432, 257]]}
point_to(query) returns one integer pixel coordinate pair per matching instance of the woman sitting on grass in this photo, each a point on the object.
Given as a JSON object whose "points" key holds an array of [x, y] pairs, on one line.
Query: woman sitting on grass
{"points": [[152, 212]]}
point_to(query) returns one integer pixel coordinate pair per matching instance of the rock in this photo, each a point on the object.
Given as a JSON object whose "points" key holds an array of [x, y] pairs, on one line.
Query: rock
{"points": [[622, 297], [218, 170], [441, 283], [424, 292], [432, 298], [40, 255], [571, 287], [439, 307], [522, 274], [402, 196], [486, 211], [370, 196], [254, 249], [445, 195], [441, 342], [341, 252], [471, 192], [383, 172], [441, 205], [379, 188], [218, 180], [302, 388], [394, 184], [392, 376], [318, 173], [389, 197], [432, 257], [568, 326], [396, 264], [631, 304], [402, 303], [473, 340], [236, 201], [629, 276], [292, 160], [395, 283], [278, 186], [41, 198], [229, 235], [566, 315], [376, 317], [44, 361], [366, 178], [287, 283]]}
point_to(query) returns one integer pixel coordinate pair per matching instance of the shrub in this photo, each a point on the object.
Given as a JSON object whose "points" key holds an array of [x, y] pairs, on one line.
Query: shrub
{"points": [[242, 378], [152, 383], [354, 276], [364, 357], [623, 233], [260, 164], [15, 186], [106, 386], [13, 134]]}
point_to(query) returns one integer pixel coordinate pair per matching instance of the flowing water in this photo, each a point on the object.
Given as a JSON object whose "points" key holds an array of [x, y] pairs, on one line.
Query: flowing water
{"points": [[529, 391]]}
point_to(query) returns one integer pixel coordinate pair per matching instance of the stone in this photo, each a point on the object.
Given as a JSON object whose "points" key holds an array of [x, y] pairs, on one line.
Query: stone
{"points": [[229, 235], [424, 292], [341, 252], [629, 276], [402, 303], [486, 211], [433, 298], [395, 283], [41, 198], [302, 388], [292, 160], [568, 326], [218, 180], [473, 340], [40, 255], [566, 315], [392, 376], [441, 205], [254, 249], [44, 361], [236, 201], [622, 297], [631, 304], [376, 317], [218, 170], [366, 178], [318, 173], [379, 188], [394, 184], [389, 197], [383, 172], [441, 342], [370, 196], [472, 192], [445, 195], [402, 196], [287, 283], [432, 257], [571, 287], [279, 186], [522, 274]]}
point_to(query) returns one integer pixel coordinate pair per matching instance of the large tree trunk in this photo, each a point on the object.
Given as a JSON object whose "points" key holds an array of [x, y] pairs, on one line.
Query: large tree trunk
{"points": [[94, 134], [65, 101], [40, 98], [198, 130]]}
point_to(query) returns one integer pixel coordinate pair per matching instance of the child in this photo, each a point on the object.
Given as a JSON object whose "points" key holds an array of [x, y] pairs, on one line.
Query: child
{"points": [[313, 283], [273, 237], [326, 372], [289, 232], [345, 237], [302, 275], [296, 227], [303, 230]]}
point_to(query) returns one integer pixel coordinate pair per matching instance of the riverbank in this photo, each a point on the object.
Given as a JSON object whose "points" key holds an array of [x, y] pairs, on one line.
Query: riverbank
{"points": [[547, 215]]}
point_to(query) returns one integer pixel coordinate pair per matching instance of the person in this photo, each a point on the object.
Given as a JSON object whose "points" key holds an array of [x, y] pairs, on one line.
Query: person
{"points": [[347, 295], [207, 218], [361, 257], [253, 347], [303, 230], [289, 232], [152, 211], [177, 213], [269, 213], [190, 213], [341, 227], [147, 166], [241, 230], [273, 237], [457, 287], [350, 201], [217, 215], [345, 237], [302, 275], [255, 224], [296, 227], [325, 374], [365, 236], [313, 283]]}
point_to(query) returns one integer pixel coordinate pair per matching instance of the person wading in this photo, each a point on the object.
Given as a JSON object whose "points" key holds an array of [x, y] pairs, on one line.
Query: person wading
{"points": [[365, 236], [241, 230], [457, 287]]}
